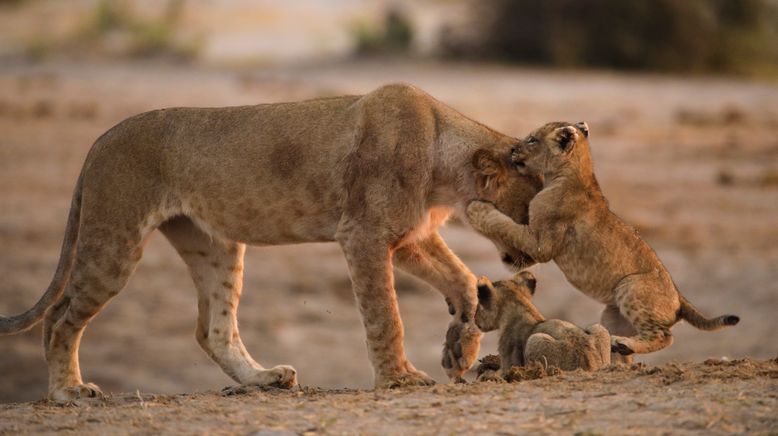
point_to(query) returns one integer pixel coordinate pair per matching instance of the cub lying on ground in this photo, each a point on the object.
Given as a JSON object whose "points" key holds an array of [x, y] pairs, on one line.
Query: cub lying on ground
{"points": [[526, 336], [570, 222]]}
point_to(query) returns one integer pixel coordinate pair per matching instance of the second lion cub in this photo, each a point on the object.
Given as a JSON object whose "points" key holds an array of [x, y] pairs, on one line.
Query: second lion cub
{"points": [[526, 336], [571, 224]]}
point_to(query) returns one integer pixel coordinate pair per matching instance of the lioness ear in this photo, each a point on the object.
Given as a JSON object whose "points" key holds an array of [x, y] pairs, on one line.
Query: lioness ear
{"points": [[488, 167], [485, 292], [583, 127], [566, 137]]}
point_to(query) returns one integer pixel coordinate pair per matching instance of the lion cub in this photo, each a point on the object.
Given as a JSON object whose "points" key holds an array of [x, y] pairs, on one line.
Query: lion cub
{"points": [[570, 223], [526, 336]]}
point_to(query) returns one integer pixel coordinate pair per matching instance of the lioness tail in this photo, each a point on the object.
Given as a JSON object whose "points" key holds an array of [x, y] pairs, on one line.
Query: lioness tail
{"points": [[25, 321], [695, 318]]}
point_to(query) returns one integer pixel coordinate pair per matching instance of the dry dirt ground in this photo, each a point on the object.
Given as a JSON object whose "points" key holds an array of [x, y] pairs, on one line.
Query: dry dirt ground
{"points": [[691, 162], [714, 397]]}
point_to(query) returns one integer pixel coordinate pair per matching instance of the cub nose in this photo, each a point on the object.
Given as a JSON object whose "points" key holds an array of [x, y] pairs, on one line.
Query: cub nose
{"points": [[507, 258]]}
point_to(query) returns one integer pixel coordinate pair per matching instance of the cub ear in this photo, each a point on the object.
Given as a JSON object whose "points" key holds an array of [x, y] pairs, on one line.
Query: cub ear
{"points": [[485, 292], [583, 127], [527, 279], [489, 167], [566, 137]]}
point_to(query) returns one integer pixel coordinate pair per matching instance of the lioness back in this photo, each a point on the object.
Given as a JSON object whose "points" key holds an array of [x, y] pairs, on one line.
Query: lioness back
{"points": [[231, 168]]}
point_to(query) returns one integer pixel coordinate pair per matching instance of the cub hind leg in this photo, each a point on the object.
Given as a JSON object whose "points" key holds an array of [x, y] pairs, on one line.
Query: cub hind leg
{"points": [[650, 303], [601, 340], [617, 325], [105, 259], [217, 270], [544, 348]]}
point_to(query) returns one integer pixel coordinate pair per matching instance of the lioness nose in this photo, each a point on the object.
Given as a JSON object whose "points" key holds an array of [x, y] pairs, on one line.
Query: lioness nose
{"points": [[507, 258]]}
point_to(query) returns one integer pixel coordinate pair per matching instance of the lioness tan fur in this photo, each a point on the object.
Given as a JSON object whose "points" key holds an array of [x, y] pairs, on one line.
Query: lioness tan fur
{"points": [[527, 337], [570, 223], [377, 173]]}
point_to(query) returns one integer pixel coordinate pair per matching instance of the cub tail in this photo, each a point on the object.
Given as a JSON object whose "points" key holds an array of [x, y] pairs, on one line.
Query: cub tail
{"points": [[695, 318]]}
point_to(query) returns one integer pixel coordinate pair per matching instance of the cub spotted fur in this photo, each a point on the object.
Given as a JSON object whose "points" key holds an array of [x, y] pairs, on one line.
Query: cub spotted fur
{"points": [[570, 223], [526, 336], [378, 173]]}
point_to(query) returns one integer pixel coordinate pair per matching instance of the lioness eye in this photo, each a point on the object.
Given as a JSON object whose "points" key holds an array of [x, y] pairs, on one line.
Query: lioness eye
{"points": [[532, 140]]}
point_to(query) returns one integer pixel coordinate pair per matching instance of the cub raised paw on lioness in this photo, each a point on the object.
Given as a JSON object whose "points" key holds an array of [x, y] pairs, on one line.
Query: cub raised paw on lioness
{"points": [[527, 337], [570, 223], [378, 173]]}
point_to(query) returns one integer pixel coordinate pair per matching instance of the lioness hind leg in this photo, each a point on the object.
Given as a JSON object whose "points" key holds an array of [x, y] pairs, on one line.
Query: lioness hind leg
{"points": [[217, 271], [101, 270]]}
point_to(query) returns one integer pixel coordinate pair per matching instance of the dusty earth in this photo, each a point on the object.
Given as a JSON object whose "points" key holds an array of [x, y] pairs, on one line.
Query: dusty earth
{"points": [[691, 162], [714, 397]]}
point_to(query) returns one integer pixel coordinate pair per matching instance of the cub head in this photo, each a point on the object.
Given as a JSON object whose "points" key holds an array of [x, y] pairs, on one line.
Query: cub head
{"points": [[499, 181], [505, 298], [553, 147]]}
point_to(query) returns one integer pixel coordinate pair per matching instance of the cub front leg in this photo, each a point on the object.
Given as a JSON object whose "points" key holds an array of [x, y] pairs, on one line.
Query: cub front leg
{"points": [[495, 225], [370, 265], [432, 261]]}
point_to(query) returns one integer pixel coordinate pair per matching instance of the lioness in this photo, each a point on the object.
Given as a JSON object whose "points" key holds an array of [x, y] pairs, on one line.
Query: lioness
{"points": [[377, 173], [599, 254], [526, 336]]}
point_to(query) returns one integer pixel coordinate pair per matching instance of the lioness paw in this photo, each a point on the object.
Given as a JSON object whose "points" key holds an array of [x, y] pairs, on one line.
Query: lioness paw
{"points": [[463, 340], [281, 376], [77, 392], [409, 378]]}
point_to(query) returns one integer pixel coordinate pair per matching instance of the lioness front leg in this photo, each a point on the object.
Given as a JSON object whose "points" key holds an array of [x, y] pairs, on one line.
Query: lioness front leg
{"points": [[370, 265], [432, 261], [217, 270]]}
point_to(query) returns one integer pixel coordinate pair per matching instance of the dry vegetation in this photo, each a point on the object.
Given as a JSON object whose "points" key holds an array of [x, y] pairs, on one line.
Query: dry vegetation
{"points": [[691, 163]]}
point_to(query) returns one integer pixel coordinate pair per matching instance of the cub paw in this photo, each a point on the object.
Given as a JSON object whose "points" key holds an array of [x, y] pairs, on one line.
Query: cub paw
{"points": [[77, 392], [490, 376], [618, 347], [477, 211]]}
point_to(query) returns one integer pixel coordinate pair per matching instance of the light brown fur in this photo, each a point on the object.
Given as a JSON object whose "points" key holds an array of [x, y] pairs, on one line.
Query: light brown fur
{"points": [[377, 173], [570, 223], [527, 337]]}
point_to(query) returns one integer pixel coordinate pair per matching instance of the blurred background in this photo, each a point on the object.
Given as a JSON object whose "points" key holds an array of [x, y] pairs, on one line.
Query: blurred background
{"points": [[680, 95]]}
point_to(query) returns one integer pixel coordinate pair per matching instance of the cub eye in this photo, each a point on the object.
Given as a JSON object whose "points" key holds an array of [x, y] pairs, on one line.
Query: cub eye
{"points": [[532, 140]]}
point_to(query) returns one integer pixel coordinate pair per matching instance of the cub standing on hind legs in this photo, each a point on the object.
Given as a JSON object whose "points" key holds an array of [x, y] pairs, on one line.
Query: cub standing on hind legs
{"points": [[378, 173], [570, 223]]}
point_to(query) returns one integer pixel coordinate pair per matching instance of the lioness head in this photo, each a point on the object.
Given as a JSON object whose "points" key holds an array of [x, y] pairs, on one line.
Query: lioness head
{"points": [[504, 298], [551, 148], [510, 190]]}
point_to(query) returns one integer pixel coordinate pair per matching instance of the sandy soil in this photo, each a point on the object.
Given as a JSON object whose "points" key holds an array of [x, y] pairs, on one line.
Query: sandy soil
{"points": [[714, 397], [693, 163]]}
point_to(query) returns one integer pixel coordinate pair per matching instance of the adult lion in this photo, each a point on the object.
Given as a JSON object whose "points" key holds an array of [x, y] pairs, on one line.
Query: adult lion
{"points": [[377, 173]]}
